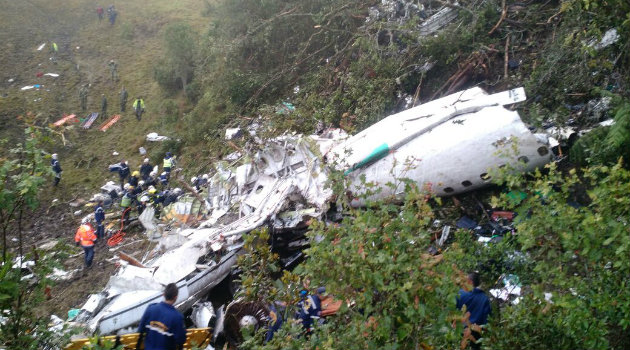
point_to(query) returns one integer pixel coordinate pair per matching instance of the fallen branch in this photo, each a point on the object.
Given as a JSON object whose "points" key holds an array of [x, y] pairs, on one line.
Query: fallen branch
{"points": [[503, 15], [506, 59]]}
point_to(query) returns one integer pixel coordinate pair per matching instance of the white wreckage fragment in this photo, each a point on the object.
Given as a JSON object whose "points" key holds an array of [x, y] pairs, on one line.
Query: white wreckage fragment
{"points": [[450, 144]]}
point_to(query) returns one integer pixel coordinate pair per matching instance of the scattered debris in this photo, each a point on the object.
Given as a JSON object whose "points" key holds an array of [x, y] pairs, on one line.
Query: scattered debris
{"points": [[511, 290], [233, 133], [54, 75], [155, 137], [40, 47], [29, 87], [610, 37]]}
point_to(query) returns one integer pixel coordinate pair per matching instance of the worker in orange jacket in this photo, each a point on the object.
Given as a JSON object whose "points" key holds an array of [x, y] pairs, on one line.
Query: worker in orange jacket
{"points": [[86, 238]]}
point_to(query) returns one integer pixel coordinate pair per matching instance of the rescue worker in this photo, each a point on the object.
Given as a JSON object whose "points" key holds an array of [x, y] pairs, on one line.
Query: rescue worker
{"points": [[145, 169], [162, 324], [164, 179], [194, 182], [54, 163], [275, 322], [171, 196], [112, 14], [308, 311], [125, 204], [113, 69], [168, 163], [99, 217], [123, 99], [85, 238], [123, 172], [135, 177], [99, 12], [477, 310], [138, 107], [151, 180], [144, 201], [152, 194], [203, 182], [103, 106], [83, 93]]}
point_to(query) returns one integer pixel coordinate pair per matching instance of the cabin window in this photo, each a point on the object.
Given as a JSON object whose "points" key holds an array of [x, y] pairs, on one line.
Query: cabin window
{"points": [[259, 189], [543, 150], [466, 183], [485, 176], [523, 159], [449, 190]]}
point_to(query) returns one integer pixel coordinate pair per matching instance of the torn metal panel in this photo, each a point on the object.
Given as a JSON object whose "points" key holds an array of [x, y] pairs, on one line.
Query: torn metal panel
{"points": [[439, 20]]}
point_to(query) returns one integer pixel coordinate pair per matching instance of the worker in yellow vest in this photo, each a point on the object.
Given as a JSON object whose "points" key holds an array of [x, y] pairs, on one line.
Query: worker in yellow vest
{"points": [[169, 162]]}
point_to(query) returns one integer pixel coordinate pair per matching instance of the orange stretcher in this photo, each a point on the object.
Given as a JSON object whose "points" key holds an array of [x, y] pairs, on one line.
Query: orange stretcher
{"points": [[109, 122], [66, 118]]}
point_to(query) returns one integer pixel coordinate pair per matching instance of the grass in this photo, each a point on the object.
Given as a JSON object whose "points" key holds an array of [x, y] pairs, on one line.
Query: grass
{"points": [[86, 46]]}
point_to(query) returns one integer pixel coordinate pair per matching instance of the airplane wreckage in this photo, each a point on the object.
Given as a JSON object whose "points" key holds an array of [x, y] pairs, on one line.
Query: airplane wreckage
{"points": [[451, 143]]}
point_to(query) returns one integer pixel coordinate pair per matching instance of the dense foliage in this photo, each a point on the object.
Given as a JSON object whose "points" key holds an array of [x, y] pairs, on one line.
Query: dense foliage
{"points": [[572, 241]]}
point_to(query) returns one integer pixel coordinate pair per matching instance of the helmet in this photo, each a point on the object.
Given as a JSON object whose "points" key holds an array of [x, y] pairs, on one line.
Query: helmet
{"points": [[168, 154], [152, 190], [126, 186], [153, 173], [194, 178], [177, 191], [141, 183], [146, 160], [144, 199], [130, 187], [303, 293], [164, 173], [205, 176], [54, 156], [135, 173]]}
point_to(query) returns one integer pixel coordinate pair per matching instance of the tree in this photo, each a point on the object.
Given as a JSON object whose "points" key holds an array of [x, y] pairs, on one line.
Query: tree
{"points": [[22, 175], [178, 65]]}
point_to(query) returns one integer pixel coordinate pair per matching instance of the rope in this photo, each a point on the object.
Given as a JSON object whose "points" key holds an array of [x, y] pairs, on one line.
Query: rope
{"points": [[118, 236]]}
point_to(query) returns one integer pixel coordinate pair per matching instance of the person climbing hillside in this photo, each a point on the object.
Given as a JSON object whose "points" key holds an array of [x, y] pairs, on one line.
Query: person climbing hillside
{"points": [[138, 107], [123, 99], [54, 163], [83, 93], [103, 106], [113, 69]]}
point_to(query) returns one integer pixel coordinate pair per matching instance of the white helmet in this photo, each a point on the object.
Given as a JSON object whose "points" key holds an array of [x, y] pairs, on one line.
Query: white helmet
{"points": [[205, 176], [54, 156], [126, 186], [146, 160], [164, 173], [141, 183], [153, 173], [177, 191], [85, 220], [144, 199], [194, 178]]}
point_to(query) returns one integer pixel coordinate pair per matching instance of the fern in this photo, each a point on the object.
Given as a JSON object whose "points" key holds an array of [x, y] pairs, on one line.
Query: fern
{"points": [[605, 145]]}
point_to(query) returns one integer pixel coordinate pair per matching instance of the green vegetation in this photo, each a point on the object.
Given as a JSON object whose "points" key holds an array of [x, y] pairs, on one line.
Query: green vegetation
{"points": [[402, 297]]}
